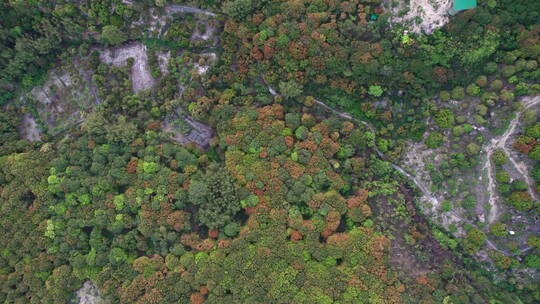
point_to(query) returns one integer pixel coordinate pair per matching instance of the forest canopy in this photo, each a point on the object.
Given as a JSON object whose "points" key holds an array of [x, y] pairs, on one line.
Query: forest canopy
{"points": [[284, 151]]}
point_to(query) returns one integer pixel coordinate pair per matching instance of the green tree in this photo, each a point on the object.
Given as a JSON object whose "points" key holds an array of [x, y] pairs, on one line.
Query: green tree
{"points": [[445, 119], [532, 261], [117, 256], [473, 149], [496, 85], [216, 197], [375, 90], [231, 229], [434, 140], [535, 153], [502, 176], [474, 241], [458, 93], [520, 200], [111, 35], [529, 117], [534, 241], [507, 95], [499, 230], [519, 185], [490, 67], [444, 96], [301, 133], [499, 157], [290, 89], [508, 71], [481, 81], [239, 9], [500, 260], [457, 131], [122, 131]]}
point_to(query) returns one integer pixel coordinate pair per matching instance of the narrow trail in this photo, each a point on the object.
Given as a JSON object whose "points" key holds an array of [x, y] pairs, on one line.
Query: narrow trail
{"points": [[423, 188], [501, 143], [427, 194], [172, 9]]}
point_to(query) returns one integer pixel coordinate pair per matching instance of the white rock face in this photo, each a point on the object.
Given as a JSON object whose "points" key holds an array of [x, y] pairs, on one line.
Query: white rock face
{"points": [[88, 294], [163, 60], [210, 60], [180, 9], [433, 14], [140, 72], [57, 104], [29, 128]]}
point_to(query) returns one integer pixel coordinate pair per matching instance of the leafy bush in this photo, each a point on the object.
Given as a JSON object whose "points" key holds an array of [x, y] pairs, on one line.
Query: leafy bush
{"points": [[532, 261], [445, 119], [239, 9], [520, 200], [496, 85], [111, 35], [216, 197], [444, 96], [473, 90], [458, 93], [434, 140], [474, 241], [375, 90], [117, 256], [498, 230], [290, 89], [473, 149], [499, 157]]}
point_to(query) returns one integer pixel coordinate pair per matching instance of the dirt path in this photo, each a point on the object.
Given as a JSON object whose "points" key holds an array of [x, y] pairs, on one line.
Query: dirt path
{"points": [[427, 194], [423, 188], [501, 143], [522, 169]]}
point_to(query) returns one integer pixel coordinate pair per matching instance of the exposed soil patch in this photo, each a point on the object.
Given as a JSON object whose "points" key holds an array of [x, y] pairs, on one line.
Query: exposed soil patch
{"points": [[421, 254]]}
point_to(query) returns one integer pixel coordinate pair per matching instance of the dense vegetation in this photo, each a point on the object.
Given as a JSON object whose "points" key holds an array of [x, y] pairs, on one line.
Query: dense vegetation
{"points": [[287, 202]]}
